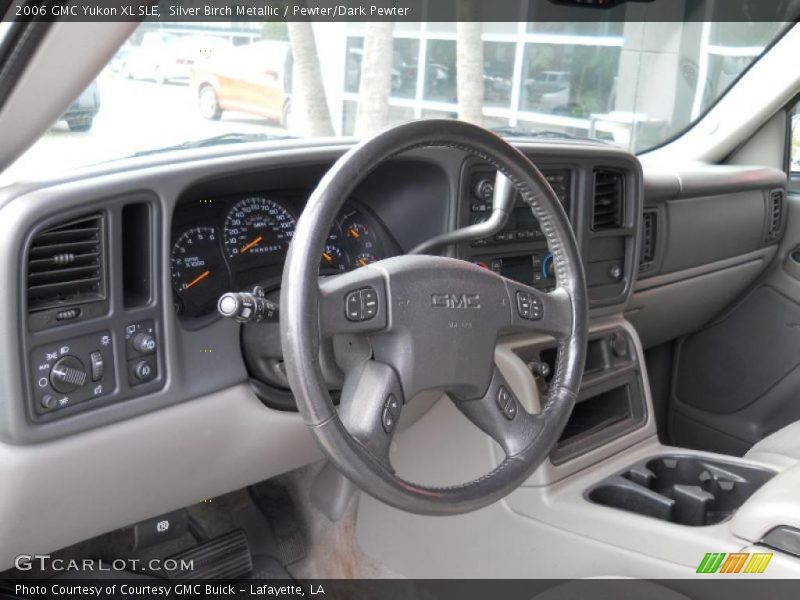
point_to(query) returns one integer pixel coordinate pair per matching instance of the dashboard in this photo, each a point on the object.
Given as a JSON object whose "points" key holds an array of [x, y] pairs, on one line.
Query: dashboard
{"points": [[102, 312], [121, 276], [236, 242]]}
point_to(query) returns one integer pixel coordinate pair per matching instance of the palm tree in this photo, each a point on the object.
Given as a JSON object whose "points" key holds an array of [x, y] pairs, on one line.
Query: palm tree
{"points": [[469, 62], [376, 79], [308, 96]]}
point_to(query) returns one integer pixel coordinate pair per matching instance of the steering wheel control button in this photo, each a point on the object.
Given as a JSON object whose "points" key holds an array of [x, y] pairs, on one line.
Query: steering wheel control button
{"points": [[390, 414], [361, 305], [144, 343], [506, 403], [67, 375], [97, 365], [529, 306]]}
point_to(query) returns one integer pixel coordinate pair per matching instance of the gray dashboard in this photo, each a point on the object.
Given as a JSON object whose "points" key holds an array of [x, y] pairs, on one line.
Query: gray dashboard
{"points": [[199, 424], [414, 197]]}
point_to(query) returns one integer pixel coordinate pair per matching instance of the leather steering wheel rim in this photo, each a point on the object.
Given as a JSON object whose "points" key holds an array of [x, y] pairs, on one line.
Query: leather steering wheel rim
{"points": [[306, 304]]}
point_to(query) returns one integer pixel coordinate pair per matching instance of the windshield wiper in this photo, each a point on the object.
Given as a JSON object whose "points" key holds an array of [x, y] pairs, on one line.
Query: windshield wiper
{"points": [[525, 132], [225, 138]]}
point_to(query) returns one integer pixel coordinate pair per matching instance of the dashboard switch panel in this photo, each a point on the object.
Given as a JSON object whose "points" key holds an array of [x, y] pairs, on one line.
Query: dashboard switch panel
{"points": [[141, 347], [72, 371]]}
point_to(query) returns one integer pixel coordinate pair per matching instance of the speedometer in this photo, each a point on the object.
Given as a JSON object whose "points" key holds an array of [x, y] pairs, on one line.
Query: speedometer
{"points": [[258, 228]]}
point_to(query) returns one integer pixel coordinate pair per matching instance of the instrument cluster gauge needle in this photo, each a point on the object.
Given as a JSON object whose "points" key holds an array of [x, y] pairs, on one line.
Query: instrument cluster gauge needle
{"points": [[255, 242], [197, 279]]}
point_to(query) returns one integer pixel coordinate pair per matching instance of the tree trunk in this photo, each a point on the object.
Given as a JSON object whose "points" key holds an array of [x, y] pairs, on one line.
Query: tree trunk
{"points": [[376, 79], [469, 62], [309, 103]]}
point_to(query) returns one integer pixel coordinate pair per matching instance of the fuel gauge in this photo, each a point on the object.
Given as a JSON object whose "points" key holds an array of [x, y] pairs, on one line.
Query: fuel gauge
{"points": [[333, 259]]}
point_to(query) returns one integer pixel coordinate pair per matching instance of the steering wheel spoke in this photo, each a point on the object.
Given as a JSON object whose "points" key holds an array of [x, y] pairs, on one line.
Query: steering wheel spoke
{"points": [[549, 313], [501, 416], [370, 407]]}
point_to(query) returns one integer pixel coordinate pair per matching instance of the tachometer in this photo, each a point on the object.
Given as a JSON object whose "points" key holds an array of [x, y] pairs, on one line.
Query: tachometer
{"points": [[199, 275], [258, 228]]}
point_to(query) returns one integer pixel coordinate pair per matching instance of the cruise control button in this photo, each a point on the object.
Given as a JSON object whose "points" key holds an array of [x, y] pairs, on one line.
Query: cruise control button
{"points": [[390, 414], [352, 306], [506, 403], [369, 300]]}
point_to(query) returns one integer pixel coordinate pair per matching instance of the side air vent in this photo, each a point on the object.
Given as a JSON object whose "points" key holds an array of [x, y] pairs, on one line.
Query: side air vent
{"points": [[649, 232], [608, 200], [65, 264], [774, 215]]}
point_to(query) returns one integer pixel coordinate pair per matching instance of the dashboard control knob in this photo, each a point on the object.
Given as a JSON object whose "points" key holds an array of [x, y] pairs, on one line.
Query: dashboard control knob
{"points": [[144, 370], [97, 364], [144, 343], [67, 375], [484, 189], [48, 402]]}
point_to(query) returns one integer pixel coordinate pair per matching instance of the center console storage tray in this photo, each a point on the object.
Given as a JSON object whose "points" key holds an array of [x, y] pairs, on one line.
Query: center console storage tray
{"points": [[688, 490]]}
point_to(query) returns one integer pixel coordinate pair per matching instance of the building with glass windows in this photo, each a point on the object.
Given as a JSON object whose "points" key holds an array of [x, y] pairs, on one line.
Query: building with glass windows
{"points": [[581, 78]]}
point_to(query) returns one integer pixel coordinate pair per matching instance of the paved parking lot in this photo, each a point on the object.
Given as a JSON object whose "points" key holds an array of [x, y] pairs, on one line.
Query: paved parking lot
{"points": [[134, 115]]}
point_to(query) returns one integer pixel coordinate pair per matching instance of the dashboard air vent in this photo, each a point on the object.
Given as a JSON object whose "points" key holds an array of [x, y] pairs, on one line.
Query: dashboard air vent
{"points": [[649, 232], [608, 199], [65, 264], [774, 215]]}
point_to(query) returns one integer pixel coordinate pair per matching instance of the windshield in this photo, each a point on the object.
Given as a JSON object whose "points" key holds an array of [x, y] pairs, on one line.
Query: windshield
{"points": [[631, 84]]}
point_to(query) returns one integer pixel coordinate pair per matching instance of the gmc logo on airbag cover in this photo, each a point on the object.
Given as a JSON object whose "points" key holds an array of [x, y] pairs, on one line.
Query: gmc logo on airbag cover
{"points": [[456, 301]]}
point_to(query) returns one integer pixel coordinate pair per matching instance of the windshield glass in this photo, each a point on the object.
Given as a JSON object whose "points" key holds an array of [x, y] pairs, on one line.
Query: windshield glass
{"points": [[632, 84]]}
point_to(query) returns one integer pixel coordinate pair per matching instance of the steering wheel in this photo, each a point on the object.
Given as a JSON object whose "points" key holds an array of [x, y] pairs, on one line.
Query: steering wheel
{"points": [[413, 323]]}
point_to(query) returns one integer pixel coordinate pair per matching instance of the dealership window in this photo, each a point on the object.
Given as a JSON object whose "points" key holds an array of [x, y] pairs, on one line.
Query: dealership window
{"points": [[404, 66], [569, 80], [498, 73], [440, 71]]}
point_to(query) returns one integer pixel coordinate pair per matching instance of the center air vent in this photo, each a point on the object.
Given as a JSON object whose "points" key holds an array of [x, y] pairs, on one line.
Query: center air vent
{"points": [[65, 264], [608, 199], [774, 215], [649, 232]]}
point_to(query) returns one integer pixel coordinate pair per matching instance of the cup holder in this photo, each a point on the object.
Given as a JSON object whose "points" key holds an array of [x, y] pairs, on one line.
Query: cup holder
{"points": [[681, 489]]}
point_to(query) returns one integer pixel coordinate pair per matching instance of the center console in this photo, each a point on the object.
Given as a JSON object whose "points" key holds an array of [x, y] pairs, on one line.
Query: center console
{"points": [[601, 196]]}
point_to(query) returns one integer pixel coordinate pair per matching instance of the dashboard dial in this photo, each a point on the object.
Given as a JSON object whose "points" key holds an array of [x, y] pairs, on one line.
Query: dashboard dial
{"points": [[333, 259], [363, 259], [258, 228], [361, 241], [199, 275]]}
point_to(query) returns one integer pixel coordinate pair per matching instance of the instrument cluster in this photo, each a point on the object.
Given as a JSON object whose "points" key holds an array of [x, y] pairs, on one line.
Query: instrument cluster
{"points": [[221, 245]]}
